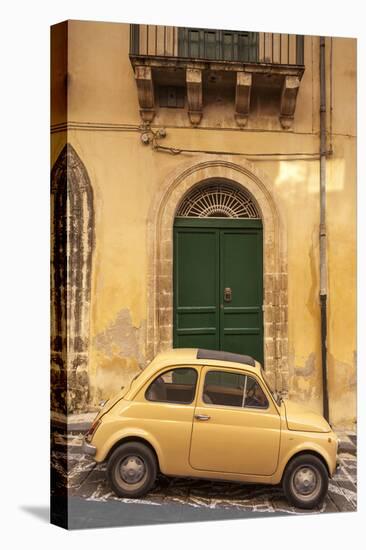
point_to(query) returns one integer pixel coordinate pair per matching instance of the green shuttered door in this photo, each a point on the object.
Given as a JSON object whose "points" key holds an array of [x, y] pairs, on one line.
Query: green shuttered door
{"points": [[218, 285]]}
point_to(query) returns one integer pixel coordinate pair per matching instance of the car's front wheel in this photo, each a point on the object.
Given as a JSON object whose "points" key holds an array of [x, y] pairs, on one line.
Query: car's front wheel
{"points": [[305, 481], [132, 469]]}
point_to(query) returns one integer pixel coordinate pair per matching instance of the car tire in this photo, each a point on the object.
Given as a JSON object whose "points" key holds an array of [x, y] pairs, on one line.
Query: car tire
{"points": [[305, 481], [132, 470]]}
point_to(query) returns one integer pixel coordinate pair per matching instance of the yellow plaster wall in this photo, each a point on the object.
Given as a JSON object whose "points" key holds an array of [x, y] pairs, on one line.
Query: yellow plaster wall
{"points": [[126, 175]]}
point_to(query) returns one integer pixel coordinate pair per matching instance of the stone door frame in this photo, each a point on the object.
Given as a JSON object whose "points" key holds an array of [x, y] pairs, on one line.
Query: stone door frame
{"points": [[72, 247], [160, 257]]}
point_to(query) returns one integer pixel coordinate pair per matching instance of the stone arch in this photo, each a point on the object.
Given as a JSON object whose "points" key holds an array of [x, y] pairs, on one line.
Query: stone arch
{"points": [[160, 250], [72, 244]]}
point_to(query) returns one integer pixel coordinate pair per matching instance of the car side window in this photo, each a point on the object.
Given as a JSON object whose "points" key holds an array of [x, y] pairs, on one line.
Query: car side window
{"points": [[233, 390], [174, 386]]}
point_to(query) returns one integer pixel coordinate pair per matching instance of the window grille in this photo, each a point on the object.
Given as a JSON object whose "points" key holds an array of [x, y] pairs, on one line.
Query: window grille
{"points": [[218, 200], [218, 44]]}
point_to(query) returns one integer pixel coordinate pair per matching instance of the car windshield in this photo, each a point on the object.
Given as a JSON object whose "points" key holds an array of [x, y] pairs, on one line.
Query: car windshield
{"points": [[274, 394]]}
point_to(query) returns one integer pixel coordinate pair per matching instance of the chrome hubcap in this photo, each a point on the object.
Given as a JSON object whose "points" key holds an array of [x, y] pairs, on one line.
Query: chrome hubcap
{"points": [[132, 469], [305, 480]]}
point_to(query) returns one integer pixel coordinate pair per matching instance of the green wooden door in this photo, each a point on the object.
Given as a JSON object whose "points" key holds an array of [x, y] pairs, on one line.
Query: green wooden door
{"points": [[218, 285], [196, 278]]}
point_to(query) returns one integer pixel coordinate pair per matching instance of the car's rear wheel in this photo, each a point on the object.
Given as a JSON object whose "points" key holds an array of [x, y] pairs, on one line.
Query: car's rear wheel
{"points": [[132, 469], [305, 481]]}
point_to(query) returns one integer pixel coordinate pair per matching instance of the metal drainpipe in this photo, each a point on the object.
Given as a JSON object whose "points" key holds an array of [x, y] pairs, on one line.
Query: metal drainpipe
{"points": [[323, 229]]}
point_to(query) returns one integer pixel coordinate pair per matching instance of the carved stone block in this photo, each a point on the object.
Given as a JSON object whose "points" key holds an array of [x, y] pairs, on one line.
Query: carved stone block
{"points": [[242, 97], [194, 95], [290, 89], [145, 92]]}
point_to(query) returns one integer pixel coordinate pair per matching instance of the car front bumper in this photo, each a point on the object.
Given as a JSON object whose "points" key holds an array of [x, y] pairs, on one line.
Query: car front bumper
{"points": [[88, 449]]}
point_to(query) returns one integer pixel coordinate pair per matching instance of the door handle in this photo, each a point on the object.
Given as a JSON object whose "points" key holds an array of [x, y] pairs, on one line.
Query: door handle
{"points": [[228, 294], [202, 417]]}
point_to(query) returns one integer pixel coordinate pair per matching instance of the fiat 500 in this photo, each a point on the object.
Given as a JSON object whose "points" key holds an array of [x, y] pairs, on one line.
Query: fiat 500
{"points": [[211, 414]]}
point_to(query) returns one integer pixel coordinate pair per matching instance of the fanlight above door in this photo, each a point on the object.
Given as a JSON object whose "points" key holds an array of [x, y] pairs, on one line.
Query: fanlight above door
{"points": [[218, 199]]}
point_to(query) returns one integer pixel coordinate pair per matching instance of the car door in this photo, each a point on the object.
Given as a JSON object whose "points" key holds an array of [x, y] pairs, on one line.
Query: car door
{"points": [[236, 426], [163, 411]]}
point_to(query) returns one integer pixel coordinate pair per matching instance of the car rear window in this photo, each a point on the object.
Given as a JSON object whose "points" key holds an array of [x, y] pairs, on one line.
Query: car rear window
{"points": [[174, 386]]}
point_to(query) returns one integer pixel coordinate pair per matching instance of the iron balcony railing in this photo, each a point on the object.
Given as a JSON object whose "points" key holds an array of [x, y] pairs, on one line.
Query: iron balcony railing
{"points": [[217, 45]]}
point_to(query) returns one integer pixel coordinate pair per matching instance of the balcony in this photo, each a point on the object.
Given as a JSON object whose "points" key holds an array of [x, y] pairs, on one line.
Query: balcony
{"points": [[176, 66]]}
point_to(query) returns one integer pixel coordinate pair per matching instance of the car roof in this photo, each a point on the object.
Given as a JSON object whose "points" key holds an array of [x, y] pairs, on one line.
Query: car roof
{"points": [[194, 356], [201, 356], [225, 356]]}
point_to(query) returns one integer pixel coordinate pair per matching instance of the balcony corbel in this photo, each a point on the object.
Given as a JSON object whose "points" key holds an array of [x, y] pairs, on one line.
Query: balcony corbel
{"points": [[242, 97], [145, 92], [290, 89], [194, 95]]}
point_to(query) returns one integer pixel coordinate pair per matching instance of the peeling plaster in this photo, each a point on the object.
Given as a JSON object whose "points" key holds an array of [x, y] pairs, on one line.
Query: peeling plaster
{"points": [[306, 387], [342, 381], [341, 375], [309, 367], [305, 381], [120, 348], [121, 338]]}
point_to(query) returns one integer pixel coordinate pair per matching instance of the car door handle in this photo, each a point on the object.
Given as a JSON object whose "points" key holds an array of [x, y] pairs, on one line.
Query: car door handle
{"points": [[202, 417]]}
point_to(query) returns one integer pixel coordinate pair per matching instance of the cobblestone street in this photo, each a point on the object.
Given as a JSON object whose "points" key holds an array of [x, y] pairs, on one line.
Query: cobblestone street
{"points": [[87, 481]]}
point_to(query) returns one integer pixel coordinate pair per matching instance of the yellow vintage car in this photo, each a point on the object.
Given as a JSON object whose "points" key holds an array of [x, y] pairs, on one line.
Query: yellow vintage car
{"points": [[211, 414]]}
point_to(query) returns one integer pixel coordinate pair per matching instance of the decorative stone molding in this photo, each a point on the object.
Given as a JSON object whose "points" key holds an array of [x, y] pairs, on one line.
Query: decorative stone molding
{"points": [[160, 254], [72, 243], [153, 70], [290, 88], [194, 95], [242, 97], [145, 92]]}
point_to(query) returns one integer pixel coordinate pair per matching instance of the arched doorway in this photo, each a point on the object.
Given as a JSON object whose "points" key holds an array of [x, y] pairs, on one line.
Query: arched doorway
{"points": [[176, 186], [218, 270]]}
